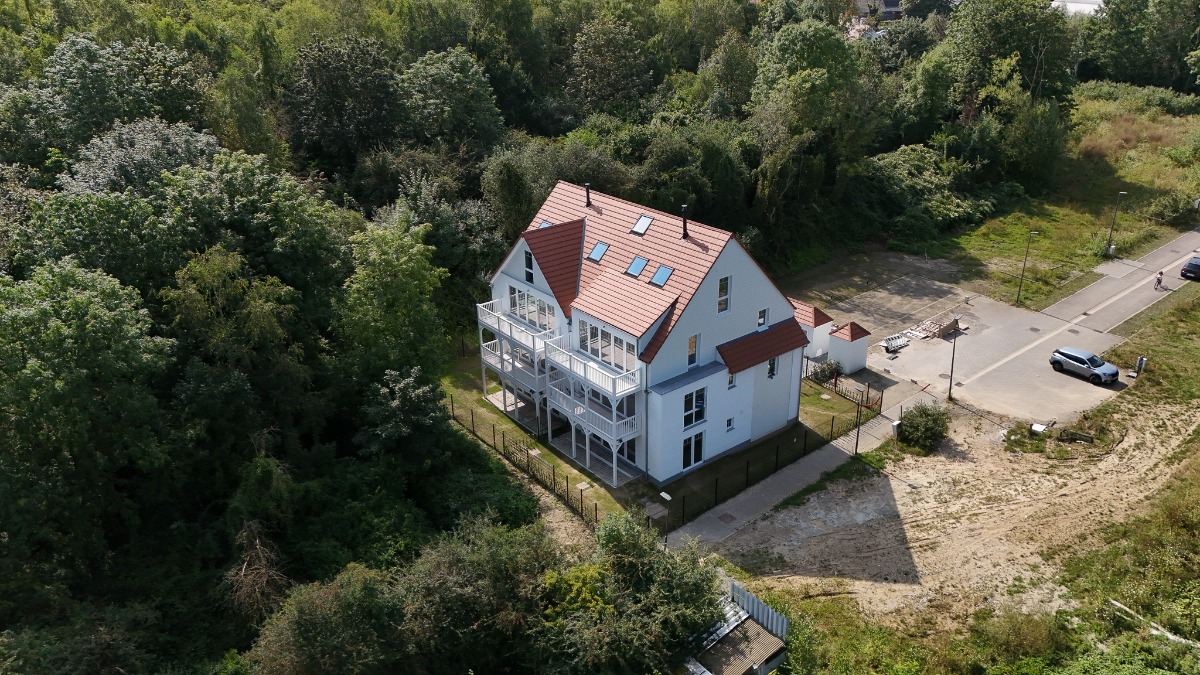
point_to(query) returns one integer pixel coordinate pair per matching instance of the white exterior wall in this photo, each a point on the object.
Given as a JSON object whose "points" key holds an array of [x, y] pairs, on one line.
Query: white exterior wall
{"points": [[818, 340], [666, 431], [852, 355], [750, 291], [773, 396]]}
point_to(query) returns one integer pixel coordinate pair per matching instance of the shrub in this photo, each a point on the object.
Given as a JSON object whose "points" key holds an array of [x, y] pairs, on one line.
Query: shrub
{"points": [[825, 372], [924, 426]]}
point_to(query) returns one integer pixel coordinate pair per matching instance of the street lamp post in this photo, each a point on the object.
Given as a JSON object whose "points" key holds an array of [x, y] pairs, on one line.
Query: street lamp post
{"points": [[953, 351], [1028, 241], [858, 420], [667, 498], [1109, 246]]}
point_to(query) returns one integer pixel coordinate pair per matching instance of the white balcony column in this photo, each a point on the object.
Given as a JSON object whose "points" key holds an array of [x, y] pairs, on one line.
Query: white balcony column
{"points": [[549, 423], [482, 364], [587, 448]]}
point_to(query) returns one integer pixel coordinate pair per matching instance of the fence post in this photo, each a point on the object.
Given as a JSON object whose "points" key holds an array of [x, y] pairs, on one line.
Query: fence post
{"points": [[716, 482], [472, 420], [832, 419], [452, 405], [595, 512], [526, 459], [493, 435], [581, 504], [867, 395], [504, 443], [554, 478]]}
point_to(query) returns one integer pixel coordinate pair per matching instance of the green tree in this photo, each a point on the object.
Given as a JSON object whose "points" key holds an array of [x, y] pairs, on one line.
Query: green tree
{"points": [[136, 154], [445, 99], [633, 608], [609, 70], [388, 320], [79, 425], [924, 426], [342, 101], [983, 32], [353, 624]]}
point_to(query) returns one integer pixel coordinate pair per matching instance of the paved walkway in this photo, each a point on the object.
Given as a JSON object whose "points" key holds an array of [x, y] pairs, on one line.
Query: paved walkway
{"points": [[728, 517]]}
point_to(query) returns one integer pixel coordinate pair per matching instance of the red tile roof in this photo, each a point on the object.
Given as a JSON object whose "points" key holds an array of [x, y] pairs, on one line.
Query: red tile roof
{"points": [[809, 315], [557, 250], [751, 350], [850, 332], [610, 219], [612, 294]]}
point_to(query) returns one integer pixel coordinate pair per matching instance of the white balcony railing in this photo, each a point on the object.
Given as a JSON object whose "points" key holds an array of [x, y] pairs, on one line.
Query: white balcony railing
{"points": [[493, 317], [516, 369], [596, 373], [594, 415]]}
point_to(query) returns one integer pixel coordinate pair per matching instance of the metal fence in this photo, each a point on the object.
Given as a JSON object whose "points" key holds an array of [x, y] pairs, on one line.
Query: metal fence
{"points": [[775, 623], [522, 455], [847, 390]]}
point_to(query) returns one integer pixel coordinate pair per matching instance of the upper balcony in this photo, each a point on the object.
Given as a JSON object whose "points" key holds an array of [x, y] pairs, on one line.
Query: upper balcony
{"points": [[503, 361], [494, 318], [598, 374]]}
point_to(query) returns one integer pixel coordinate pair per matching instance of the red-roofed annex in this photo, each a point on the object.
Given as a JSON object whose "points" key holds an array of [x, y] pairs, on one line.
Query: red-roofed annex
{"points": [[642, 342]]}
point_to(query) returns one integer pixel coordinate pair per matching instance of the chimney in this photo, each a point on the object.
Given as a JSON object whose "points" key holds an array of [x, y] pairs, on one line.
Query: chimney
{"points": [[685, 234], [587, 193]]}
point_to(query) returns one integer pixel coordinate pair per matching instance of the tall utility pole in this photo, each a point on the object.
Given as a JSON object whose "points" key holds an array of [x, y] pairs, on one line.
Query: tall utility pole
{"points": [[1028, 241], [1109, 246]]}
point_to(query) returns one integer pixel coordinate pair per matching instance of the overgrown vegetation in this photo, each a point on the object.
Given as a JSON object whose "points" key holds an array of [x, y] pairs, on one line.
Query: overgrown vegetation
{"points": [[237, 238], [924, 426]]}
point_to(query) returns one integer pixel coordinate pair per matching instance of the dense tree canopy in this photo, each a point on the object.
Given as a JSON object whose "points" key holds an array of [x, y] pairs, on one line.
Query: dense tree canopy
{"points": [[237, 238]]}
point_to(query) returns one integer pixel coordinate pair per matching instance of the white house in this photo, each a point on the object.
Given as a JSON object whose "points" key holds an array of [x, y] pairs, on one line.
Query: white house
{"points": [[848, 346], [644, 343], [816, 325]]}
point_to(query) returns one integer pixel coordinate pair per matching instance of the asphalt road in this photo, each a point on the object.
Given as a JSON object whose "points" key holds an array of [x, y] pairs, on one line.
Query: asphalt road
{"points": [[1001, 359]]}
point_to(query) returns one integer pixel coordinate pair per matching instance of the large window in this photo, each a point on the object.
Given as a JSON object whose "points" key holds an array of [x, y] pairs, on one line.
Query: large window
{"points": [[612, 349], [723, 295], [528, 267], [530, 309], [693, 407], [693, 450], [693, 347]]}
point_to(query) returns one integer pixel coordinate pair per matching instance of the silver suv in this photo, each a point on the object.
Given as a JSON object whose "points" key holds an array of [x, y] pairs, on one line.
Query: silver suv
{"points": [[1085, 363]]}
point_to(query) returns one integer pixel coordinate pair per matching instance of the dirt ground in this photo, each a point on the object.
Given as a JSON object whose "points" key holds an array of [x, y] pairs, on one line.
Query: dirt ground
{"points": [[563, 525], [926, 543]]}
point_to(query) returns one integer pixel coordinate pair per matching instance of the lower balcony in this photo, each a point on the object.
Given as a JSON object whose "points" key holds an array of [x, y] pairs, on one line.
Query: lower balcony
{"points": [[504, 363], [594, 456], [595, 415]]}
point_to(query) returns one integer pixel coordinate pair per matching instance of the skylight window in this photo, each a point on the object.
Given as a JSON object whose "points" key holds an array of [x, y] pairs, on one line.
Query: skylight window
{"points": [[544, 223], [642, 224], [661, 275], [636, 267], [598, 251]]}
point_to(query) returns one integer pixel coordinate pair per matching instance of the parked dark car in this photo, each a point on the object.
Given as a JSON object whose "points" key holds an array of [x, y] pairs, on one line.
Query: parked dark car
{"points": [[1084, 363], [1191, 269]]}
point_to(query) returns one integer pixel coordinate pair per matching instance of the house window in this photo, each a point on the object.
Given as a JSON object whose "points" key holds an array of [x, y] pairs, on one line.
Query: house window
{"points": [[729, 424], [642, 224], [732, 380], [723, 295], [693, 407], [636, 267], [693, 343], [528, 267], [530, 309], [603, 345], [773, 366], [661, 275], [762, 318], [598, 251], [693, 450]]}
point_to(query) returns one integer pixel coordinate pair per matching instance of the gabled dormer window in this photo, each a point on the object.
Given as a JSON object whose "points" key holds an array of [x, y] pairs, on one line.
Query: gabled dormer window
{"points": [[598, 251], [528, 267]]}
